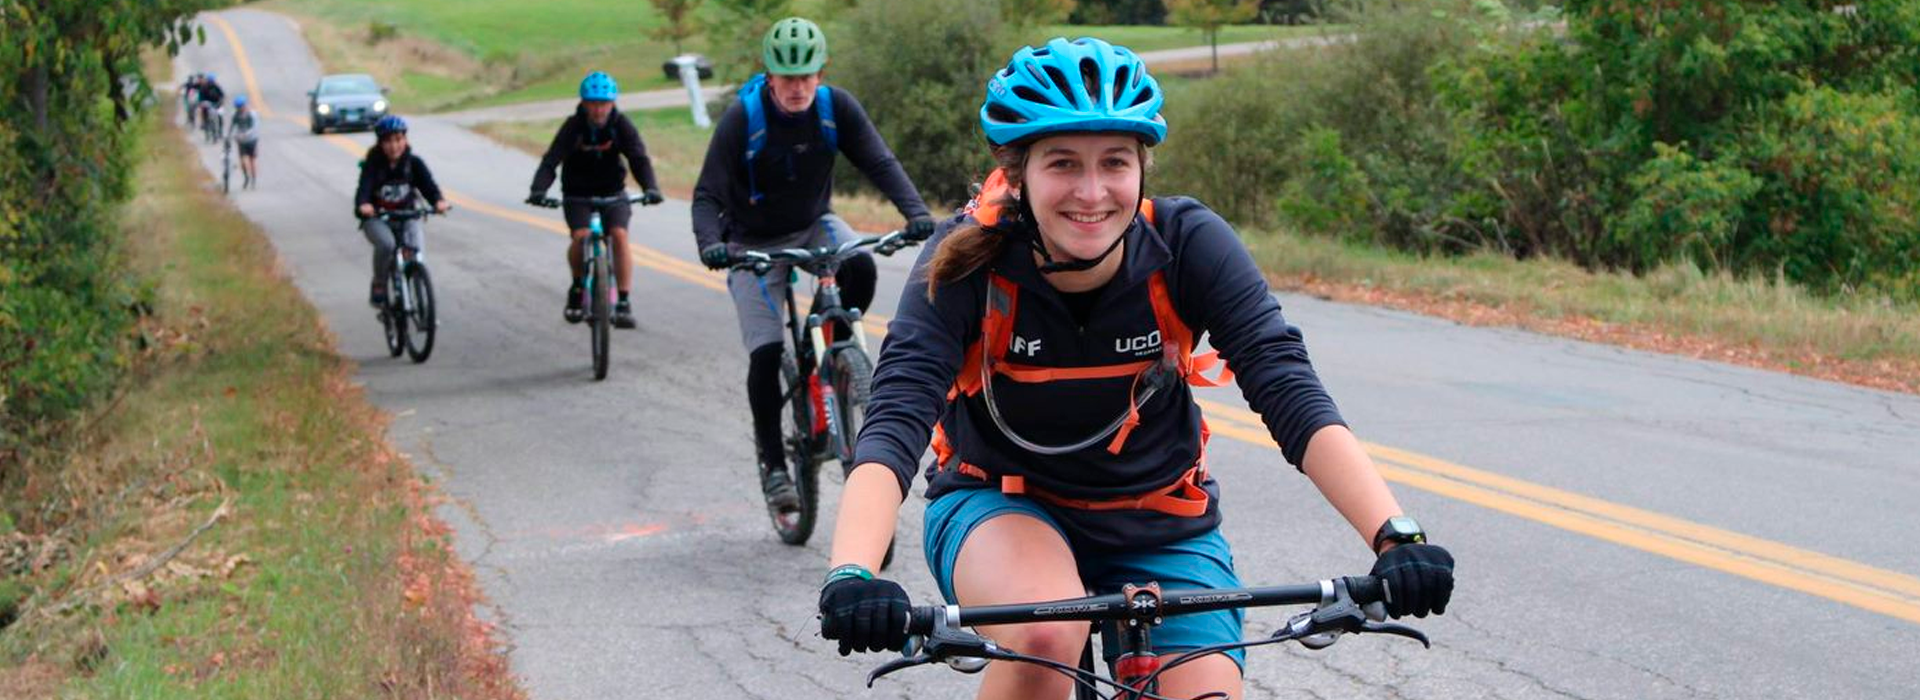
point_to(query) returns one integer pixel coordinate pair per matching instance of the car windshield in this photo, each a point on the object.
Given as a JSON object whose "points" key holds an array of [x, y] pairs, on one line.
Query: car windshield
{"points": [[347, 85]]}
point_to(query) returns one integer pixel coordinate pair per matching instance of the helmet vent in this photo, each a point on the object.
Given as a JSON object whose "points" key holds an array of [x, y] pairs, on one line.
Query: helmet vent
{"points": [[1059, 81], [1003, 115], [1032, 95], [1121, 78], [1144, 97], [1090, 80]]}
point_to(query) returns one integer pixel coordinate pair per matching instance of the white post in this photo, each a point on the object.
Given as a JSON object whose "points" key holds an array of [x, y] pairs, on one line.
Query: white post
{"points": [[690, 77]]}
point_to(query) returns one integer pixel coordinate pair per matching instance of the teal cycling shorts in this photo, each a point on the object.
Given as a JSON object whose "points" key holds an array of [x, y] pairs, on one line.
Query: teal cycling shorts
{"points": [[1199, 562]]}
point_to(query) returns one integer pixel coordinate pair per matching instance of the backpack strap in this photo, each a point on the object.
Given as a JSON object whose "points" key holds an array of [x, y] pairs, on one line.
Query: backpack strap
{"points": [[749, 95]]}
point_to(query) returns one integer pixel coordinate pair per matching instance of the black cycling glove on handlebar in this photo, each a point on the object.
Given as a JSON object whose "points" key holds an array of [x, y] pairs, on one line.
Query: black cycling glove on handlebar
{"points": [[651, 197], [864, 615], [1419, 579], [716, 256], [918, 230], [538, 199]]}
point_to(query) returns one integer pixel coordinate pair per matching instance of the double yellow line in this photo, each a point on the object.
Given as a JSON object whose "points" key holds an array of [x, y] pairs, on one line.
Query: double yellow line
{"points": [[1878, 590]]}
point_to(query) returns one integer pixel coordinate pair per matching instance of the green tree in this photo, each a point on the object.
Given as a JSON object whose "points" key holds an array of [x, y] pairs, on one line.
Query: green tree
{"points": [[1035, 13], [1209, 16], [70, 85], [679, 22], [734, 31]]}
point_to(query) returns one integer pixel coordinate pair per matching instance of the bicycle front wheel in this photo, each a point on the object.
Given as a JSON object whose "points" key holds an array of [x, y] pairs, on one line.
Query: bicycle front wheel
{"points": [[852, 382], [601, 286], [420, 285], [795, 526]]}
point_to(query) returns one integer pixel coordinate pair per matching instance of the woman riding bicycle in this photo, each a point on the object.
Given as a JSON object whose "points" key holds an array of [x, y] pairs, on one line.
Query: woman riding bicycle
{"points": [[1069, 450], [392, 177]]}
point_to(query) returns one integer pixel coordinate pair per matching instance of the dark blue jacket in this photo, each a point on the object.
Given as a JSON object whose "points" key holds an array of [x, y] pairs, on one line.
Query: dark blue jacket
{"points": [[1217, 290]]}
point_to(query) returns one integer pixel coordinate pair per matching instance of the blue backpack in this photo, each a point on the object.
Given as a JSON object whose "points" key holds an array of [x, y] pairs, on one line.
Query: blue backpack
{"points": [[749, 95]]}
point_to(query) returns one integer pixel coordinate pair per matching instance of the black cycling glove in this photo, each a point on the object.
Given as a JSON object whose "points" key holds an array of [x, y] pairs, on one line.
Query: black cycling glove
{"points": [[918, 230], [716, 256], [538, 199], [864, 615], [1419, 579], [651, 197]]}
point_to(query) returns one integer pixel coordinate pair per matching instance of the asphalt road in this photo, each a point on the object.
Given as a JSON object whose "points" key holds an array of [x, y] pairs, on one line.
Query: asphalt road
{"points": [[1627, 525]]}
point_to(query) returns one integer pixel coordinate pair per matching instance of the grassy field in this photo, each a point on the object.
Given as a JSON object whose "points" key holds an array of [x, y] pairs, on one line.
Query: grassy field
{"points": [[232, 525], [454, 54], [1674, 310]]}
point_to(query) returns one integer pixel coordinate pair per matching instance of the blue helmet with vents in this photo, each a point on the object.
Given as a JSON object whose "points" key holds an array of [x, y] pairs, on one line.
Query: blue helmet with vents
{"points": [[598, 87], [390, 124], [1080, 85]]}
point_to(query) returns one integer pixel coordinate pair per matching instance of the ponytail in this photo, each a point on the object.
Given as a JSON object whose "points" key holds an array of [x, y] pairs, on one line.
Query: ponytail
{"points": [[970, 247]]}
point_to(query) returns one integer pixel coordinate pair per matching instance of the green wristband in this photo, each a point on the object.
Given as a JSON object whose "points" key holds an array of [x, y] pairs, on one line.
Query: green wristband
{"points": [[845, 571]]}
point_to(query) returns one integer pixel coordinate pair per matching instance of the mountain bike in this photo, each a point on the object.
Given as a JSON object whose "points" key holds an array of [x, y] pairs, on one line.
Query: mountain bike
{"points": [[212, 122], [826, 368], [1348, 605], [409, 314], [598, 288]]}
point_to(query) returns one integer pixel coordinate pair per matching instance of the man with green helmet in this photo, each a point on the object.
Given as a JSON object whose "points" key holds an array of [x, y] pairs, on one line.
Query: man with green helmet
{"points": [[767, 184]]}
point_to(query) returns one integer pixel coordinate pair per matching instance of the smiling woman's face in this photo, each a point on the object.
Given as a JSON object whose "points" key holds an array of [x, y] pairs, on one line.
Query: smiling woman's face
{"points": [[1083, 189]]}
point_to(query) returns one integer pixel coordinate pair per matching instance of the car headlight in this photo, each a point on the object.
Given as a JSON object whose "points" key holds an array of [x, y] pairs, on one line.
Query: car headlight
{"points": [[380, 106], [324, 109]]}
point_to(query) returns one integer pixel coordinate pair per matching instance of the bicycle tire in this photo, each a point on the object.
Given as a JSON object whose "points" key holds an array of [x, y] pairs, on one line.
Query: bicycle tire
{"points": [[420, 342], [602, 310], [796, 527], [852, 384], [226, 168]]}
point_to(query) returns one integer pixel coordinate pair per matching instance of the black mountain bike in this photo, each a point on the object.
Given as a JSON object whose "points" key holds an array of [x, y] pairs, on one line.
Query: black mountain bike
{"points": [[597, 290], [1350, 605], [826, 368], [212, 122], [409, 314]]}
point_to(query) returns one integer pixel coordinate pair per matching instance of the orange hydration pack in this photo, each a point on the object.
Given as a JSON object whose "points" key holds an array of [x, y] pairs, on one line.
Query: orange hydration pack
{"points": [[987, 357]]}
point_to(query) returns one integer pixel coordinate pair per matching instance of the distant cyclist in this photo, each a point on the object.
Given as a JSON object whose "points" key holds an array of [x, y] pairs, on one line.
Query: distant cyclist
{"points": [[208, 96], [245, 132], [588, 150], [768, 183], [190, 97], [392, 178], [1046, 346]]}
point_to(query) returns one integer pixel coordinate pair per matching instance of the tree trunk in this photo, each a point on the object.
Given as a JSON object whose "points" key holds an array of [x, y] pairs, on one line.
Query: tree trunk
{"points": [[37, 84]]}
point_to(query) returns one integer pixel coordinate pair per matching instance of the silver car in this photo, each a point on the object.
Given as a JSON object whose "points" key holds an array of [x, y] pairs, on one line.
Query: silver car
{"points": [[350, 100]]}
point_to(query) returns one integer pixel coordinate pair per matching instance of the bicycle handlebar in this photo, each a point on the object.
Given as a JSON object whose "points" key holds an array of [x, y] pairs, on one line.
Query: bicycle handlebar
{"points": [[407, 214], [1348, 605], [760, 262], [596, 202]]}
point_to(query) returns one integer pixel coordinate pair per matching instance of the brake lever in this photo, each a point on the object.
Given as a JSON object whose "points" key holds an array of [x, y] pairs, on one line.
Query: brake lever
{"points": [[1397, 630], [897, 664]]}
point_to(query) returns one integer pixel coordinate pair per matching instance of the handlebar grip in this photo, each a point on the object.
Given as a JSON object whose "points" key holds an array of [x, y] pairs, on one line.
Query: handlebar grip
{"points": [[920, 619], [1366, 589]]}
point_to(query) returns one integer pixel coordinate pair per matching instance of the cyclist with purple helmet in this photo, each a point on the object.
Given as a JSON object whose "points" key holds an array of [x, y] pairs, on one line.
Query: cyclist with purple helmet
{"points": [[392, 178], [1069, 451], [587, 150]]}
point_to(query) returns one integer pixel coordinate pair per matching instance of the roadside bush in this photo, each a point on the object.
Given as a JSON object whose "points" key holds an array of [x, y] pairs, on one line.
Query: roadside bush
{"points": [[1683, 207], [1228, 138], [923, 86], [65, 136]]}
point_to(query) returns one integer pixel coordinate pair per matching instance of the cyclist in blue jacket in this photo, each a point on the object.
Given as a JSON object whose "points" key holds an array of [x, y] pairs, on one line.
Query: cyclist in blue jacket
{"points": [[1045, 345]]}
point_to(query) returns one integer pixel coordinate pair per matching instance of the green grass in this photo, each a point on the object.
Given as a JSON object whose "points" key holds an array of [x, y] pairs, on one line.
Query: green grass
{"points": [[1143, 39], [238, 399]]}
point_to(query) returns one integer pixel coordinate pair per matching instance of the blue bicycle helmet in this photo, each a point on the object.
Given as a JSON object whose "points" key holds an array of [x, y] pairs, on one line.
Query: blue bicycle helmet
{"points": [[390, 124], [240, 101], [598, 87], [207, 76], [1080, 85]]}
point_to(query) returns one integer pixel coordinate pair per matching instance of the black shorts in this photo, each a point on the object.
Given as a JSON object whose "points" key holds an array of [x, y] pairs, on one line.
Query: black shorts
{"points": [[248, 148], [612, 216]]}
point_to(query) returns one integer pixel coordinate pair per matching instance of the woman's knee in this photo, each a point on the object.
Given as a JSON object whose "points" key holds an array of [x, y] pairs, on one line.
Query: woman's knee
{"points": [[1060, 641]]}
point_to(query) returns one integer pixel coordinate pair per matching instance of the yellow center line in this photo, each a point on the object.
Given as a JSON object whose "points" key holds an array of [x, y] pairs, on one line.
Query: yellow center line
{"points": [[257, 99], [1869, 588]]}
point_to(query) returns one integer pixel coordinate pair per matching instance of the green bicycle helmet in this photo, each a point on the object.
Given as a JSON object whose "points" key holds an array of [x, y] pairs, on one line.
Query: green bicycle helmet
{"points": [[794, 46]]}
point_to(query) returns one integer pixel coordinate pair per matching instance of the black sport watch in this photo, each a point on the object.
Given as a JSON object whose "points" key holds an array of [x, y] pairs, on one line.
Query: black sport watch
{"points": [[1398, 529]]}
